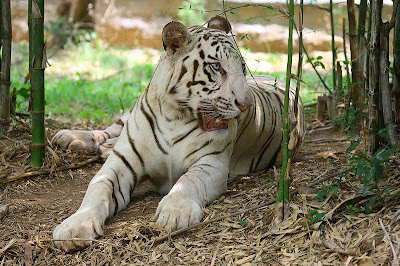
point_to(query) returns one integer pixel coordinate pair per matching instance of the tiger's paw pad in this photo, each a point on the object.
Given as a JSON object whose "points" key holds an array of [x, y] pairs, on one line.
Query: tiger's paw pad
{"points": [[77, 232], [174, 213], [78, 139]]}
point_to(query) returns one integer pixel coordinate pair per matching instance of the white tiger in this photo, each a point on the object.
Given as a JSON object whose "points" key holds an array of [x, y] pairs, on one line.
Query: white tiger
{"points": [[199, 121]]}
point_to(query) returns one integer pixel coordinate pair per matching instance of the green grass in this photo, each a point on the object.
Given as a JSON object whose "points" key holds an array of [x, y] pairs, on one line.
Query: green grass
{"points": [[89, 82], [92, 82]]}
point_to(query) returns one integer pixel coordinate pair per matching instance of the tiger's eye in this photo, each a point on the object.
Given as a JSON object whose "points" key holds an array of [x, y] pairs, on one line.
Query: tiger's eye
{"points": [[215, 66]]}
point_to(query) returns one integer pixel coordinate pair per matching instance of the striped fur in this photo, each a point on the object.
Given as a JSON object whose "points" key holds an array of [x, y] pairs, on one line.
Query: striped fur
{"points": [[161, 139]]}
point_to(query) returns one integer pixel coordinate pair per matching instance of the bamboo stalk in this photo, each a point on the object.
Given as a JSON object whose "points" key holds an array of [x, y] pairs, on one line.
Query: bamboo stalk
{"points": [[373, 86], [396, 66], [300, 63], [38, 64], [6, 33], [357, 84], [283, 186], [348, 82], [384, 87], [333, 45]]}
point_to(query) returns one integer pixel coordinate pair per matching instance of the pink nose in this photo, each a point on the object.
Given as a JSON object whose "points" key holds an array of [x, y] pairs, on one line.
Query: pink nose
{"points": [[242, 106]]}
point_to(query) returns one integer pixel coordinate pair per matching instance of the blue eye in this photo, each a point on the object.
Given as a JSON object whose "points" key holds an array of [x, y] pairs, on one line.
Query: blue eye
{"points": [[215, 66]]}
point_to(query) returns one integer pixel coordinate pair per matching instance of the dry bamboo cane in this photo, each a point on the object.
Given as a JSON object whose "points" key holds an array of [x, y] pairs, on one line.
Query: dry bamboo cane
{"points": [[396, 66], [6, 33], [362, 42], [38, 64], [384, 87], [373, 86], [357, 84]]}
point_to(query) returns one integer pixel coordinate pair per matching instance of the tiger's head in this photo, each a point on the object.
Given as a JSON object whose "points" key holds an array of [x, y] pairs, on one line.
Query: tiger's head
{"points": [[203, 72]]}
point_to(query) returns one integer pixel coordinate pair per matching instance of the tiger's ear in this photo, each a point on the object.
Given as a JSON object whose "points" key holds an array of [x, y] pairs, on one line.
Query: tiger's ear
{"points": [[174, 36], [220, 23]]}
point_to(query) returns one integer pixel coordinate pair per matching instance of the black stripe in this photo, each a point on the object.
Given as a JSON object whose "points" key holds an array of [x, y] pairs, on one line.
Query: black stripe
{"points": [[152, 129], [273, 159], [204, 145], [182, 137], [263, 104], [251, 165], [151, 111], [123, 159], [183, 72], [248, 123], [119, 187], [133, 145], [195, 67], [120, 122], [112, 194], [216, 152], [108, 135]]}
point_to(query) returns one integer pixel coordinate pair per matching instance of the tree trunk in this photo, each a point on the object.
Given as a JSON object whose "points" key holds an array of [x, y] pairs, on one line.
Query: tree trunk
{"points": [[357, 85], [396, 66], [373, 86], [321, 108], [38, 64], [384, 86], [6, 33]]}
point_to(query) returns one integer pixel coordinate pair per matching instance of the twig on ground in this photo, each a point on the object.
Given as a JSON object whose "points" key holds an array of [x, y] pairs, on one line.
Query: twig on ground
{"points": [[320, 180], [9, 245], [326, 140], [395, 260], [48, 171]]}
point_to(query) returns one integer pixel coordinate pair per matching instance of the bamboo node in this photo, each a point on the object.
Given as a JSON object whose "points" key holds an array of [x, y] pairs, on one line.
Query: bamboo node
{"points": [[37, 112], [38, 145]]}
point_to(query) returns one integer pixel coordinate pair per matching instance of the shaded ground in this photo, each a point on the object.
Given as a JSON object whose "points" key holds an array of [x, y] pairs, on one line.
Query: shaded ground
{"points": [[37, 205]]}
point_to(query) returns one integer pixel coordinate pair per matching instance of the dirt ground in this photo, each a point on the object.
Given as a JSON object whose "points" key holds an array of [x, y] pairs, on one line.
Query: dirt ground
{"points": [[36, 205]]}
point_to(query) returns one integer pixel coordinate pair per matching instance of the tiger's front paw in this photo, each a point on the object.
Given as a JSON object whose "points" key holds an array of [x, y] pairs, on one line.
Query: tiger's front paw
{"points": [[77, 232], [177, 213], [79, 139]]}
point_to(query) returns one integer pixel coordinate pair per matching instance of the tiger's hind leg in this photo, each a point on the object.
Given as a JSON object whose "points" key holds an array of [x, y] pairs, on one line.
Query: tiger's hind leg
{"points": [[90, 140]]}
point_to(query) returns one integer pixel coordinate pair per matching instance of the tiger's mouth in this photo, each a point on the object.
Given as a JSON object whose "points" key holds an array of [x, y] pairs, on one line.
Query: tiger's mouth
{"points": [[209, 123]]}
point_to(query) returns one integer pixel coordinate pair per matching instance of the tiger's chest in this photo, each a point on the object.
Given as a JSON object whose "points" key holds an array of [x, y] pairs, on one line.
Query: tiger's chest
{"points": [[170, 148]]}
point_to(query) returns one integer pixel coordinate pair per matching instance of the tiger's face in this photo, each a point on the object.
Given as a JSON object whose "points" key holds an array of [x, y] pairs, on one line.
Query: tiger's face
{"points": [[209, 75]]}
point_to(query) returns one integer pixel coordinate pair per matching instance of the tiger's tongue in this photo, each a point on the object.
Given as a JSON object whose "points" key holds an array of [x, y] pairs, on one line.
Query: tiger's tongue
{"points": [[210, 124]]}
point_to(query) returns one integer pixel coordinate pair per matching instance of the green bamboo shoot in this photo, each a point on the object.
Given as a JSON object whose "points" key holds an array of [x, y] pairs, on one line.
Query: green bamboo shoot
{"points": [[283, 186], [38, 64]]}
